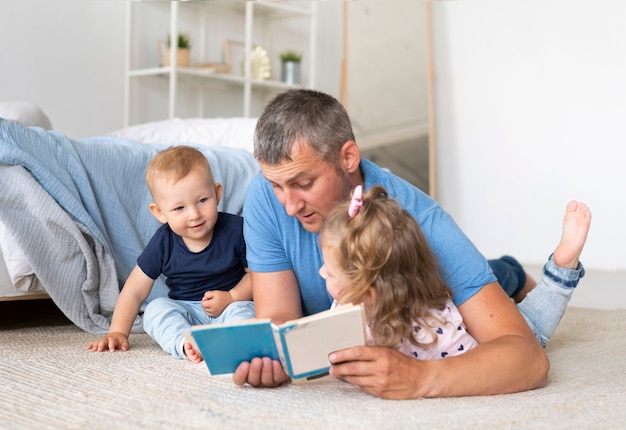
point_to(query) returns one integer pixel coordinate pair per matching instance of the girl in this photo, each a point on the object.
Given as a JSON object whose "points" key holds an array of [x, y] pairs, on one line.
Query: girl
{"points": [[374, 252]]}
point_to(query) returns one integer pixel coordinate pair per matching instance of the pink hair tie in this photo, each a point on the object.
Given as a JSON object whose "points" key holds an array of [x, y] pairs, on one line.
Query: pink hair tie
{"points": [[357, 202]]}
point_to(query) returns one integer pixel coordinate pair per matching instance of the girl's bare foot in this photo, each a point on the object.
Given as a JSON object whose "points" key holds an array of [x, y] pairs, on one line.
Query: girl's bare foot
{"points": [[191, 354], [575, 227]]}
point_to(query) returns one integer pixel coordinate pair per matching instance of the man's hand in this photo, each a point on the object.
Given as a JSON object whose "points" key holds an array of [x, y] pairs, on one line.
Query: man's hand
{"points": [[260, 373], [214, 302], [508, 359], [112, 341], [382, 372]]}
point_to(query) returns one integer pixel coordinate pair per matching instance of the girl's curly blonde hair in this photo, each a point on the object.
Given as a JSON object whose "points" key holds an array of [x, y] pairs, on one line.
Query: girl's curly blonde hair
{"points": [[382, 246]]}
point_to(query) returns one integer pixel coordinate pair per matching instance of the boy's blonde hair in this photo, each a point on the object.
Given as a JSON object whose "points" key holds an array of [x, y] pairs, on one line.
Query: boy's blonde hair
{"points": [[174, 163], [384, 247]]}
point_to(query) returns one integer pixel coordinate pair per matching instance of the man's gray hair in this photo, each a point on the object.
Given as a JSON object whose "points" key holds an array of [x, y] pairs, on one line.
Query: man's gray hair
{"points": [[302, 116]]}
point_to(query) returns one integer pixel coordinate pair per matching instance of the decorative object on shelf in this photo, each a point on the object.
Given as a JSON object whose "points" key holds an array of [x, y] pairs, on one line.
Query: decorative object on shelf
{"points": [[212, 67], [182, 54], [260, 65], [290, 67]]}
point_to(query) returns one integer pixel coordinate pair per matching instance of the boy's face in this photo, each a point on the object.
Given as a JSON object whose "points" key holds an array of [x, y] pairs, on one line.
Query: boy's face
{"points": [[189, 206]]}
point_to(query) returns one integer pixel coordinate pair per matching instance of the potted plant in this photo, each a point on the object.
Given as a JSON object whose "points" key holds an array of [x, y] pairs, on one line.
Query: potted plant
{"points": [[290, 67], [183, 46]]}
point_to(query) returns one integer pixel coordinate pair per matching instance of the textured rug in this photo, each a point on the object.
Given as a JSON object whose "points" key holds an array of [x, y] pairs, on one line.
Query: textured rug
{"points": [[49, 381]]}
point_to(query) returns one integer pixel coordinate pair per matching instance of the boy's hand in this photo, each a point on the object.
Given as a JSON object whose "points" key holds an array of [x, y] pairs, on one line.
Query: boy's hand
{"points": [[214, 302], [112, 341]]}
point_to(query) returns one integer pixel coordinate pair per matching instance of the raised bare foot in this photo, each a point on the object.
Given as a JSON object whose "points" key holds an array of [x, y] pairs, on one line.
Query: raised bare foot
{"points": [[191, 354], [575, 227]]}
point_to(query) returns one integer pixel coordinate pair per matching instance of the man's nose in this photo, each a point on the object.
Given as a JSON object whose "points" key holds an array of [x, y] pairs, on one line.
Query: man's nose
{"points": [[293, 202]]}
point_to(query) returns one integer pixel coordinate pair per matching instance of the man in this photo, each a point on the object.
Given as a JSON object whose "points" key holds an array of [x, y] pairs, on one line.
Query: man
{"points": [[310, 161]]}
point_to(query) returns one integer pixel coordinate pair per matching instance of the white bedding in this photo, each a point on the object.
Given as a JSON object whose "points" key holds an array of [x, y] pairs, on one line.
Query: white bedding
{"points": [[16, 278], [16, 274], [8, 291], [227, 132]]}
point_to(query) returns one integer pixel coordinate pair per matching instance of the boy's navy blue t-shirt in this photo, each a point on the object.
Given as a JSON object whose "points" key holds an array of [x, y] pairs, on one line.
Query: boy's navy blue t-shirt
{"points": [[219, 266]]}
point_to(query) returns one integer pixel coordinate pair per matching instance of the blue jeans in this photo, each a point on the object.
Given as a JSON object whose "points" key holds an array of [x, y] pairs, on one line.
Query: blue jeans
{"points": [[165, 320], [510, 274], [543, 307]]}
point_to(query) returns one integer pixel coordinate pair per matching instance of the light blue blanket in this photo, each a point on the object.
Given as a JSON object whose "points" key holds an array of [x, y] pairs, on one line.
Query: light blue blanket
{"points": [[99, 182]]}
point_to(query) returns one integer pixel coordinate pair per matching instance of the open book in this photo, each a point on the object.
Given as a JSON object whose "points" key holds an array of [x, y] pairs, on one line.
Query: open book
{"points": [[302, 345]]}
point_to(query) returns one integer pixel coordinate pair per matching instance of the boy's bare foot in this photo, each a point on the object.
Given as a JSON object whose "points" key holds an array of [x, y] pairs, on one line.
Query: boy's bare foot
{"points": [[191, 354], [575, 227]]}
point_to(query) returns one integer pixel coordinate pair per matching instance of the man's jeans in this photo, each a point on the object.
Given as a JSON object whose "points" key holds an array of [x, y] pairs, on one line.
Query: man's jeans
{"points": [[544, 306]]}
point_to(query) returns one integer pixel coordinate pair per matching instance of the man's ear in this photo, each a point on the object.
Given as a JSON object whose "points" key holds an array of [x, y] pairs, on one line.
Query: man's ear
{"points": [[156, 211], [350, 156], [218, 192]]}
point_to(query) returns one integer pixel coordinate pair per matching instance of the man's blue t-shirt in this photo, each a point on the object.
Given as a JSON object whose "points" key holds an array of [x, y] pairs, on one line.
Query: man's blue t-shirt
{"points": [[276, 241], [219, 266]]}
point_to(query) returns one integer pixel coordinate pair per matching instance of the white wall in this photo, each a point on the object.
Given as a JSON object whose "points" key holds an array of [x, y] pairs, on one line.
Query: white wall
{"points": [[67, 56], [530, 107]]}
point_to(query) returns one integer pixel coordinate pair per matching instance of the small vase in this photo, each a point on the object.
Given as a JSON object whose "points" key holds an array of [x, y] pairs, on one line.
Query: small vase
{"points": [[182, 58], [290, 72]]}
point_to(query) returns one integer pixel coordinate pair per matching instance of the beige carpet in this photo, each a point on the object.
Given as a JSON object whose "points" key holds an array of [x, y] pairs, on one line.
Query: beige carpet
{"points": [[48, 381]]}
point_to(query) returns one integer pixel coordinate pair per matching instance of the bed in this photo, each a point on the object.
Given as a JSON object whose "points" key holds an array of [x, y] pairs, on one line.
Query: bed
{"points": [[16, 280], [73, 212]]}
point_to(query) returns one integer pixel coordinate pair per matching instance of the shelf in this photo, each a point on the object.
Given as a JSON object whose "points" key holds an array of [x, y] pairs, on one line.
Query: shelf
{"points": [[165, 71], [251, 12]]}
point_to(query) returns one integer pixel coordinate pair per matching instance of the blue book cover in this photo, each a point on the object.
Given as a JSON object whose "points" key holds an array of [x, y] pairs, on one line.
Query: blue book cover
{"points": [[225, 346]]}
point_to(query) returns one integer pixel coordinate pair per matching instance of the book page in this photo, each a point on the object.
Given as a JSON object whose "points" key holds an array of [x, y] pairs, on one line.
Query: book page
{"points": [[307, 342]]}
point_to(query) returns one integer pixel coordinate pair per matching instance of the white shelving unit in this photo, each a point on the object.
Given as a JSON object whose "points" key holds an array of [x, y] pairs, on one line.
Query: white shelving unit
{"points": [[261, 13]]}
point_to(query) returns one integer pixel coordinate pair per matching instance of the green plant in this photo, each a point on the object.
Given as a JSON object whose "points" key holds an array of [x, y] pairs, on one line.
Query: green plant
{"points": [[183, 41], [290, 55]]}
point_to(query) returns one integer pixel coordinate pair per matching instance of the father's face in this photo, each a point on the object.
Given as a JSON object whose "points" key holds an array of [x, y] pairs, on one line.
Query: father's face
{"points": [[307, 187]]}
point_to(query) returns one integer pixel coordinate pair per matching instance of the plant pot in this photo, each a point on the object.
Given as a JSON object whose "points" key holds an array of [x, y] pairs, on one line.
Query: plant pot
{"points": [[182, 57], [290, 72]]}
